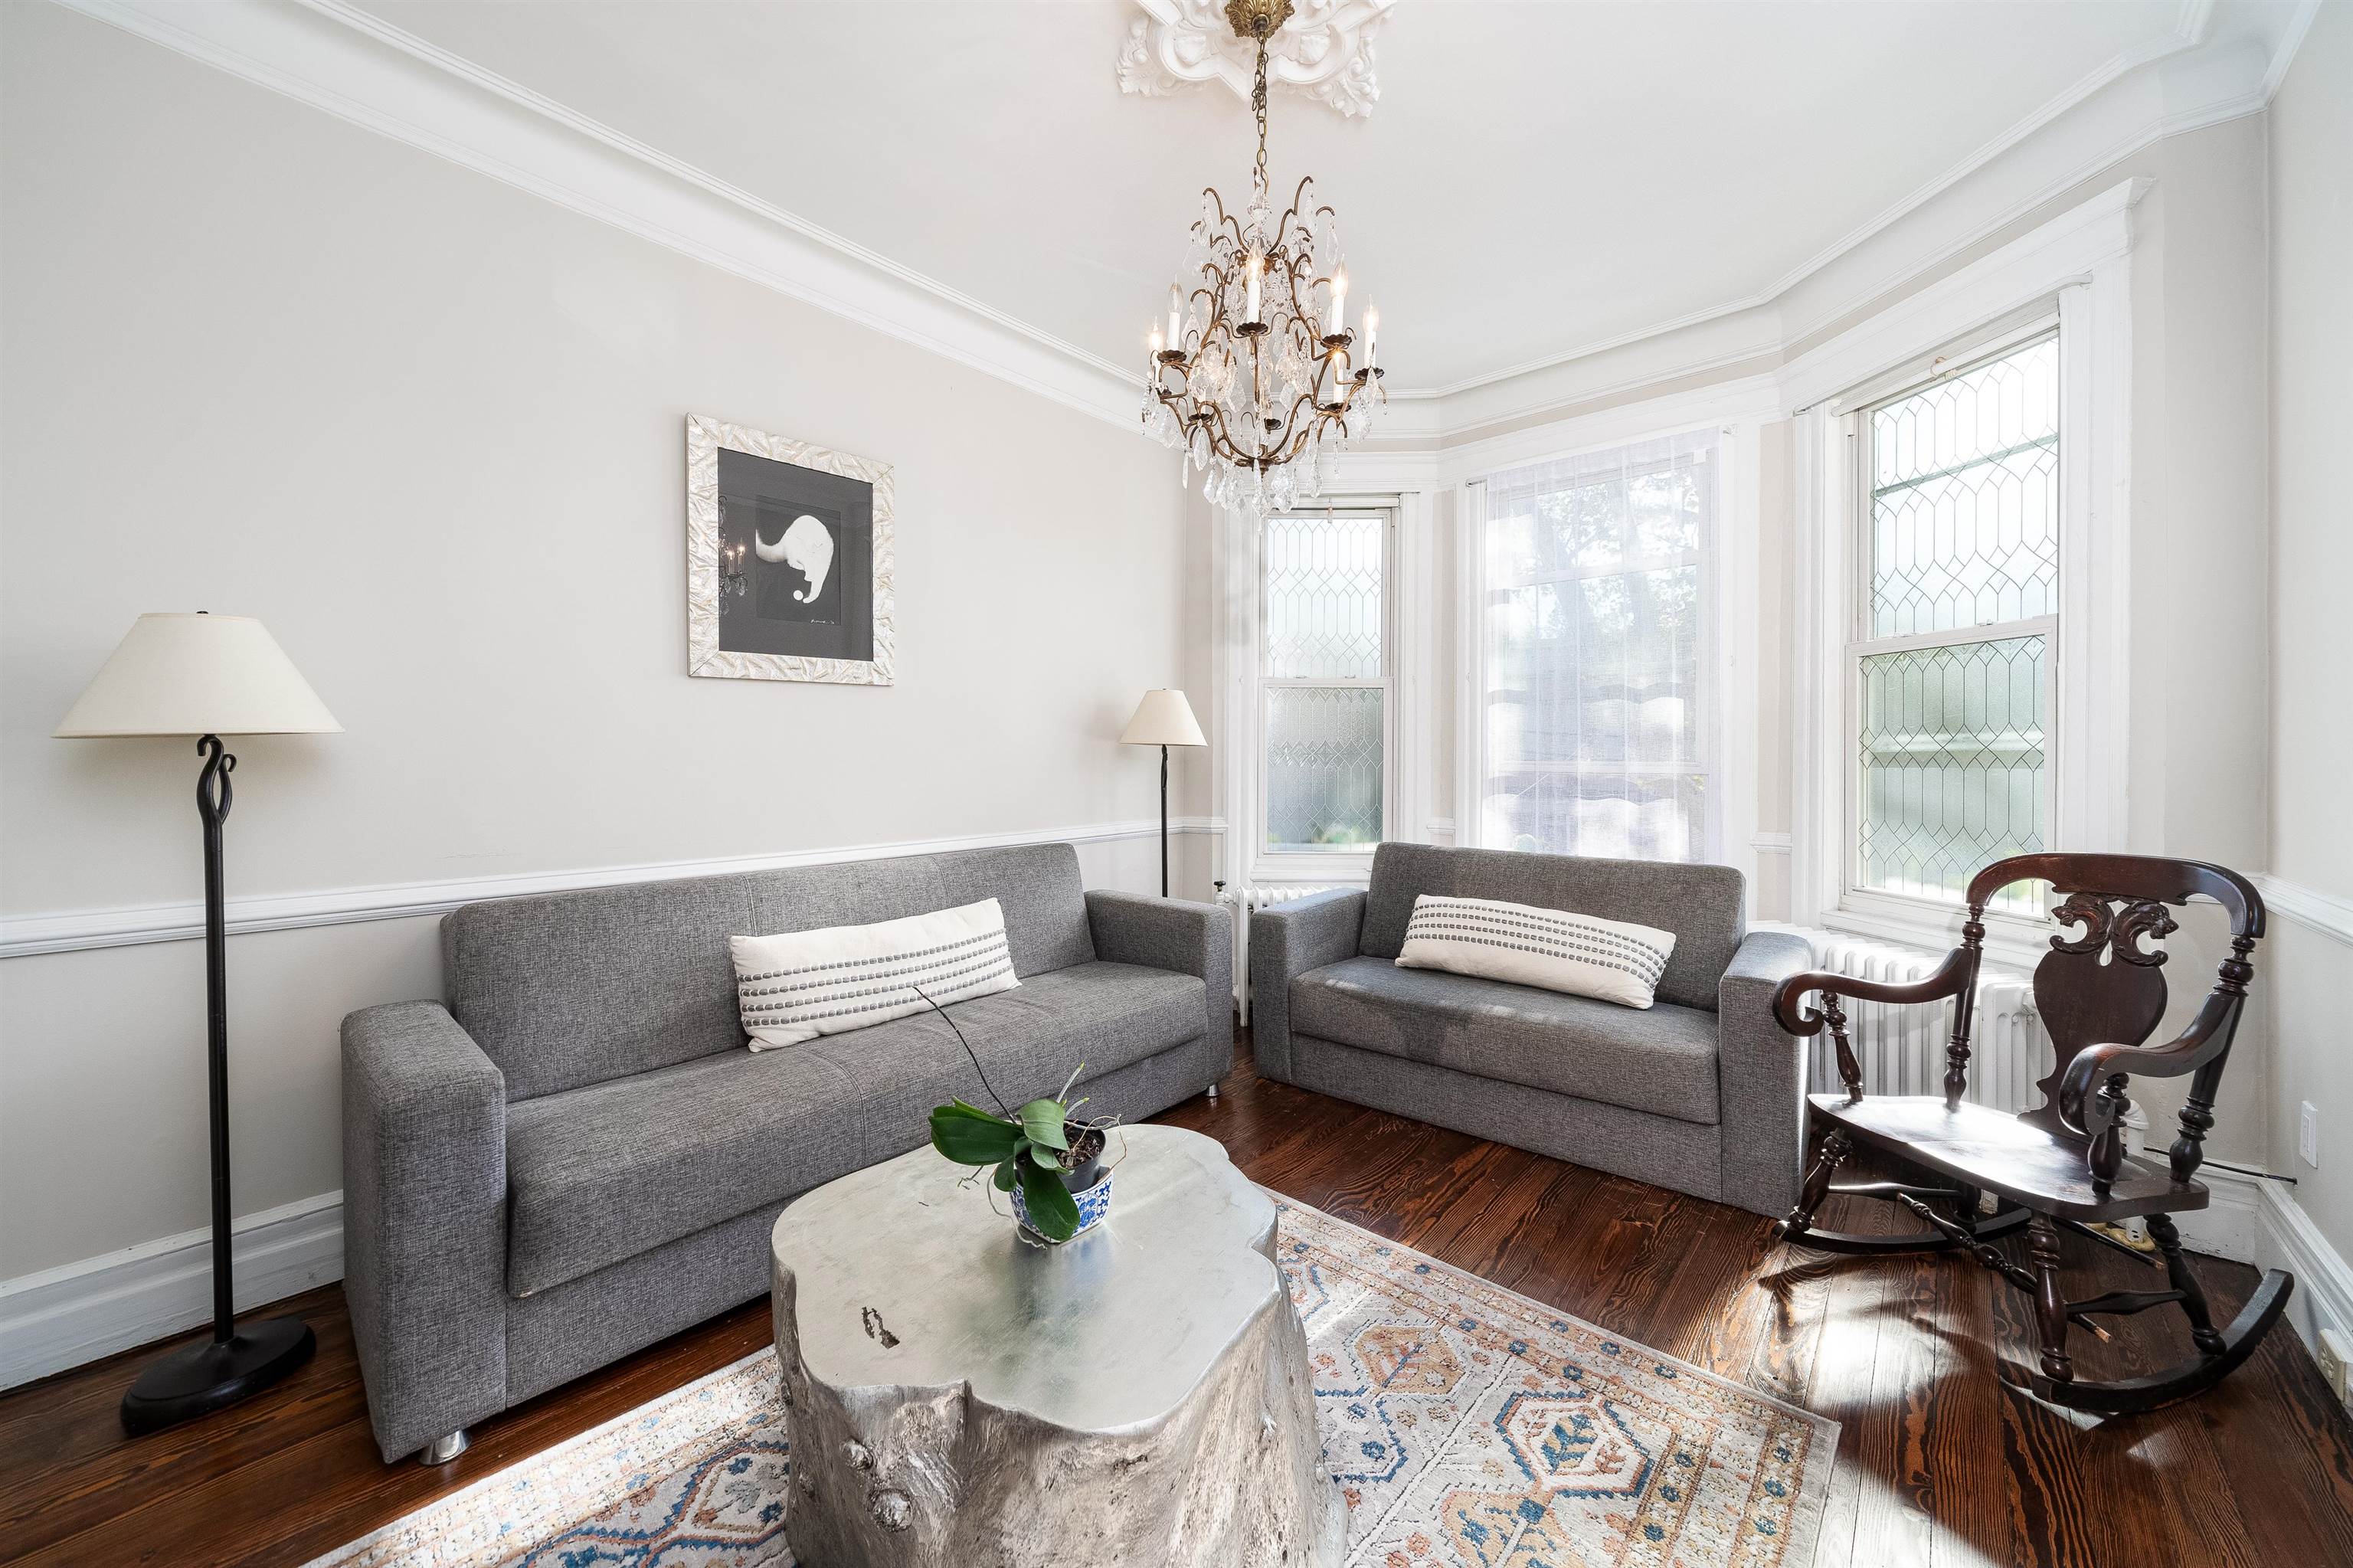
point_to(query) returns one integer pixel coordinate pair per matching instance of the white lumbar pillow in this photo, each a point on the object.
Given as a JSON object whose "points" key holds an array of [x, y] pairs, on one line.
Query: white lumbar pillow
{"points": [[1550, 949], [802, 984]]}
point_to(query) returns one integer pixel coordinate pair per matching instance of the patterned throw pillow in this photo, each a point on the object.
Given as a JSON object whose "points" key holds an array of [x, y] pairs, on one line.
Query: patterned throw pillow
{"points": [[1550, 949], [802, 984]]}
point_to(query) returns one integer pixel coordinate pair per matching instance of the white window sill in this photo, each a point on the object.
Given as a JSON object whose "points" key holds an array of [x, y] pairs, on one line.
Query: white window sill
{"points": [[2011, 941]]}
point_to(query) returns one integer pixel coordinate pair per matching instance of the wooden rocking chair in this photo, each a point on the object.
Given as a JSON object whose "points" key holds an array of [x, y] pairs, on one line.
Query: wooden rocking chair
{"points": [[2101, 994]]}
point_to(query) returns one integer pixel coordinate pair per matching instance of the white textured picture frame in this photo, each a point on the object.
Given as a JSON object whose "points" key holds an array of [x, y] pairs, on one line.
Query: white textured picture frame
{"points": [[705, 440]]}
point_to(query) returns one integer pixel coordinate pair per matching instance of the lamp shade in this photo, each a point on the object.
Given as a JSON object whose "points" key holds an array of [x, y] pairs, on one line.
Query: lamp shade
{"points": [[1163, 718], [197, 674]]}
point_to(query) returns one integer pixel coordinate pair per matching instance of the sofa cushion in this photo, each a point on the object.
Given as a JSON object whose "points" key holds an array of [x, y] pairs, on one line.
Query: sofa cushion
{"points": [[603, 1172], [1702, 905], [1662, 1061], [579, 987], [1099, 1016]]}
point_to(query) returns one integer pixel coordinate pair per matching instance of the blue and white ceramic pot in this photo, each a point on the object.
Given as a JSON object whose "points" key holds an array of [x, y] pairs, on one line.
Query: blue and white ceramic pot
{"points": [[1093, 1201]]}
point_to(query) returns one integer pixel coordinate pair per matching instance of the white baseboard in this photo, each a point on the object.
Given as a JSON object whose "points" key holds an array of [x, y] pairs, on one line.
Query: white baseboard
{"points": [[83, 1311], [2324, 1281]]}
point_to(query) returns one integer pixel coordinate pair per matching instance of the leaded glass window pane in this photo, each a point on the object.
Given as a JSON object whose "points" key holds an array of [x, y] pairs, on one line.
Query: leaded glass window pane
{"points": [[1965, 498], [1324, 596], [1594, 631], [1952, 742], [1323, 747]]}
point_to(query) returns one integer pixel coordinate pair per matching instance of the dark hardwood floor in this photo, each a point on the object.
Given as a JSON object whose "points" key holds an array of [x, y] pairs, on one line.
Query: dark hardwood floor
{"points": [[1940, 1463]]}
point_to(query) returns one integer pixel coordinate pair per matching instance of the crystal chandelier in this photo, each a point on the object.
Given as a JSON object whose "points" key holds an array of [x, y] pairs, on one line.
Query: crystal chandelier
{"points": [[1253, 378]]}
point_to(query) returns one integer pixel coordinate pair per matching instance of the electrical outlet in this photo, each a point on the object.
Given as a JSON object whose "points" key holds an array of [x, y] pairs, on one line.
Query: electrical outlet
{"points": [[2332, 1354], [2308, 1136]]}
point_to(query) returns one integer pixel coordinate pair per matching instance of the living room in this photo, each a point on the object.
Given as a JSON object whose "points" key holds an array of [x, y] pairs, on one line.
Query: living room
{"points": [[1544, 851]]}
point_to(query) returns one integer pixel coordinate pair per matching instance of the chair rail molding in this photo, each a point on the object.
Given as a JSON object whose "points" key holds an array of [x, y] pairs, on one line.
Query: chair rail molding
{"points": [[2326, 913], [75, 930]]}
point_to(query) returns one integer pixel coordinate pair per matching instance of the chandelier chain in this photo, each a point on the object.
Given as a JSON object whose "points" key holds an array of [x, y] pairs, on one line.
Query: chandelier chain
{"points": [[1257, 107]]}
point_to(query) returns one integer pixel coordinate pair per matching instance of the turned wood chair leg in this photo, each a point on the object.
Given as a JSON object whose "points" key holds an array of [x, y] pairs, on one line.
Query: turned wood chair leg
{"points": [[2049, 1307], [2202, 1332], [1829, 1155]]}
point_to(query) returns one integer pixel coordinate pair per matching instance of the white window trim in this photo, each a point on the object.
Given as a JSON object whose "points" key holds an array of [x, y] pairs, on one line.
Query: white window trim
{"points": [[2083, 261], [1737, 411], [1399, 486]]}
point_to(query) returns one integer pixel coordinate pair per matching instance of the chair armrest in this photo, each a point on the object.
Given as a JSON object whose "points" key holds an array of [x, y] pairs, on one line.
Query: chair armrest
{"points": [[1178, 934], [425, 1189], [2199, 1048], [1760, 1075], [1286, 941], [1955, 976]]}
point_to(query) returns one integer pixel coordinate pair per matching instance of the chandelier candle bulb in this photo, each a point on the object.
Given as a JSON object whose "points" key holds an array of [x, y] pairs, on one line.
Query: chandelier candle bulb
{"points": [[1154, 341], [1175, 317], [1257, 270], [1336, 321], [1372, 336]]}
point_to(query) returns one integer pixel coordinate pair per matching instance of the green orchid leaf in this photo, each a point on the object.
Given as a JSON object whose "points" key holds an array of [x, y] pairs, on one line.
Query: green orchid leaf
{"points": [[1042, 1158], [1007, 1173], [1042, 1121], [1053, 1213], [971, 1137]]}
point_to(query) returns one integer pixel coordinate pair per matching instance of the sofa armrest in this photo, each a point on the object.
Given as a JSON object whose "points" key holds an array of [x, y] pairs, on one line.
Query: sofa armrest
{"points": [[1180, 934], [425, 1189], [1286, 941], [1760, 1075]]}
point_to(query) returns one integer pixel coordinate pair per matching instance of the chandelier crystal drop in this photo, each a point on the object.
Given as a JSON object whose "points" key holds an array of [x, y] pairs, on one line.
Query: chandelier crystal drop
{"points": [[1255, 376]]}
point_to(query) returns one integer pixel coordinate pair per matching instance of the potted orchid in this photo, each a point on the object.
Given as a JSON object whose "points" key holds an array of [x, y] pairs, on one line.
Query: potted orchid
{"points": [[1049, 1164]]}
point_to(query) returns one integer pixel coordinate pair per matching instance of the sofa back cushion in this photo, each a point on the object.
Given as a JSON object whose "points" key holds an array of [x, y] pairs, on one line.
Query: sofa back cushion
{"points": [[580, 987], [1702, 905]]}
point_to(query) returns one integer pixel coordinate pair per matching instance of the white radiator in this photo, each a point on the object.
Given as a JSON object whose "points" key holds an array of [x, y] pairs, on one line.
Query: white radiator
{"points": [[1901, 1049], [1242, 900]]}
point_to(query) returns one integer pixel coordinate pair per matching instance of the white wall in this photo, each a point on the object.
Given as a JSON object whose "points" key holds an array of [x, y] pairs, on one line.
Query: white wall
{"points": [[2306, 973], [431, 430]]}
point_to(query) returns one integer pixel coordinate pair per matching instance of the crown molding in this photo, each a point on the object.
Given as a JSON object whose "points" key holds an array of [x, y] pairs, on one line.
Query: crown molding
{"points": [[2290, 41], [334, 56], [337, 59], [77, 930]]}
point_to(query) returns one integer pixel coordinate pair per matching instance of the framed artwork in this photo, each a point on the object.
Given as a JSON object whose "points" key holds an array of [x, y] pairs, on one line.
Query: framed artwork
{"points": [[789, 562]]}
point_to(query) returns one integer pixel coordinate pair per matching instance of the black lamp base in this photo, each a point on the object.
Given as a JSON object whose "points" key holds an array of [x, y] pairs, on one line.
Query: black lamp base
{"points": [[207, 1375]]}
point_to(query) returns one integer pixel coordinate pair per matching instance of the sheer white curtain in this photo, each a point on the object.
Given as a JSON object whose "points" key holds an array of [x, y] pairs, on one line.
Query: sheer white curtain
{"points": [[1594, 721]]}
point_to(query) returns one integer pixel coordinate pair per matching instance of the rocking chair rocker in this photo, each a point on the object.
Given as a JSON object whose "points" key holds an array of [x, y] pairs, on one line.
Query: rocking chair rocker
{"points": [[2062, 1163]]}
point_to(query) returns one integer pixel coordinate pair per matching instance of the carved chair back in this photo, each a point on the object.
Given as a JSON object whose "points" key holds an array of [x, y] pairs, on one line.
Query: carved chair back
{"points": [[2102, 991]]}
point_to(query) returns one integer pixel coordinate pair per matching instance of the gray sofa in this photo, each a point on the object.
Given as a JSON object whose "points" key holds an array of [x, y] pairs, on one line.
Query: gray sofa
{"points": [[576, 1156], [1703, 1093]]}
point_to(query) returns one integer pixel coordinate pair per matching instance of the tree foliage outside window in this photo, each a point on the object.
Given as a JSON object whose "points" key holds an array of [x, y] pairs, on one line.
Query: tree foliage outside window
{"points": [[1594, 722]]}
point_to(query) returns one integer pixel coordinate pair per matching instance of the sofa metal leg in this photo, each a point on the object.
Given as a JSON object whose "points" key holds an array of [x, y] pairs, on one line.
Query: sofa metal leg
{"points": [[441, 1450], [1213, 1091]]}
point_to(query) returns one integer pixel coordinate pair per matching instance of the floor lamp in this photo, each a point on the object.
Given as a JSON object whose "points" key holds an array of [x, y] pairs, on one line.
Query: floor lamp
{"points": [[206, 675], [1163, 719]]}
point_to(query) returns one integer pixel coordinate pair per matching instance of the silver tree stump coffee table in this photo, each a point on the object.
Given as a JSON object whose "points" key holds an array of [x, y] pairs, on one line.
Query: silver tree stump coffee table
{"points": [[1137, 1398]]}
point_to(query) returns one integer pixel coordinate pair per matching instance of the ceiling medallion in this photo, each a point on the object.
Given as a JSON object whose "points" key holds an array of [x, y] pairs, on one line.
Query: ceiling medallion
{"points": [[1256, 368], [1322, 47]]}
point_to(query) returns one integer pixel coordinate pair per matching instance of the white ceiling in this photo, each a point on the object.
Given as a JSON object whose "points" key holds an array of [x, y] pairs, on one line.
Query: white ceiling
{"points": [[1539, 178]]}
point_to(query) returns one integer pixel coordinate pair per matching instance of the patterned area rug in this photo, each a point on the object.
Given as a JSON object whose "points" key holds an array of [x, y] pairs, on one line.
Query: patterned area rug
{"points": [[1469, 1428]]}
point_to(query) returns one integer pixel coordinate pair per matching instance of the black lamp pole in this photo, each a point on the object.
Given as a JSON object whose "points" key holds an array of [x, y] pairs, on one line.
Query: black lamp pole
{"points": [[205, 1377], [1164, 821]]}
